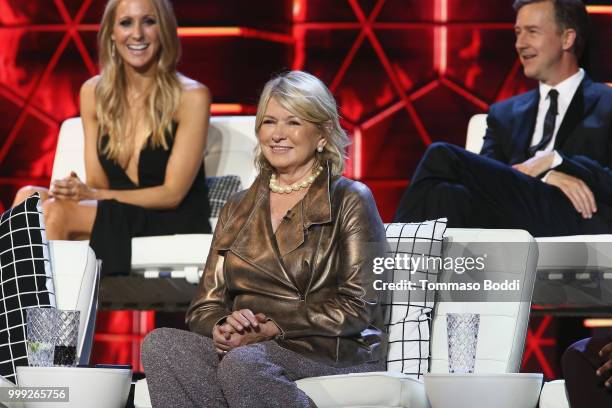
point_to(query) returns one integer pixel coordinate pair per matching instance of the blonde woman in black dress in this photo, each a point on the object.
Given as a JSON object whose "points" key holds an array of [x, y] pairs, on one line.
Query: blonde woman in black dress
{"points": [[145, 131]]}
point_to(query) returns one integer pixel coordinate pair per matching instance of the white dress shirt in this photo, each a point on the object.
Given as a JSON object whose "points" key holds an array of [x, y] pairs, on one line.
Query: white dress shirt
{"points": [[566, 88]]}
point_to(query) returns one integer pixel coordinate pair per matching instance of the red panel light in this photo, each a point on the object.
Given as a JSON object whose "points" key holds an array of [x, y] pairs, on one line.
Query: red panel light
{"points": [[209, 31], [440, 36], [599, 9], [596, 323], [231, 108], [234, 32]]}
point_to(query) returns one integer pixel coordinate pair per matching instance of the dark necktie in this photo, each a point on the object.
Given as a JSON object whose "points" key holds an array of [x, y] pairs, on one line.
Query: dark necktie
{"points": [[549, 123]]}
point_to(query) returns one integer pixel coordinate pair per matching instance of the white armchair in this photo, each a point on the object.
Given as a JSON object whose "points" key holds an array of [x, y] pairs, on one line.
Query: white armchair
{"points": [[577, 257], [500, 345], [164, 268], [503, 328], [76, 276]]}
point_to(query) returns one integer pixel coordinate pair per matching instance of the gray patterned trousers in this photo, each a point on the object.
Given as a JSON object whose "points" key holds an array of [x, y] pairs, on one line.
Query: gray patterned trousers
{"points": [[183, 370]]}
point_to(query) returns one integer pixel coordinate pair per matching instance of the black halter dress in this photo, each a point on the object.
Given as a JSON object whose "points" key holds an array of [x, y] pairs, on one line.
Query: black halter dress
{"points": [[117, 223]]}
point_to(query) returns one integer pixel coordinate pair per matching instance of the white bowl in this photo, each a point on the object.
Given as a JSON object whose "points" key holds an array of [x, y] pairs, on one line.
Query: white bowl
{"points": [[510, 390], [88, 387]]}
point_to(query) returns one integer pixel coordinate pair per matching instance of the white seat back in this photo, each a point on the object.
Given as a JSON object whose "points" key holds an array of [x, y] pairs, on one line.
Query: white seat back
{"points": [[69, 153], [76, 280], [477, 128], [503, 325], [229, 149]]}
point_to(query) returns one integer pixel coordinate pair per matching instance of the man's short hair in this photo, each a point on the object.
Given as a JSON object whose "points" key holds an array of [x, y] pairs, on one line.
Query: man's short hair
{"points": [[568, 14]]}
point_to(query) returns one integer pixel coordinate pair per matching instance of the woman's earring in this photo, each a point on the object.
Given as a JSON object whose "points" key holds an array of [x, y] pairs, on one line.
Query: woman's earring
{"points": [[320, 149], [113, 50]]}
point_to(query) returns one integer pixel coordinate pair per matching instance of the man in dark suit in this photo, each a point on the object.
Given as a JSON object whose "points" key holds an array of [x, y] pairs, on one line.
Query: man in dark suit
{"points": [[544, 165]]}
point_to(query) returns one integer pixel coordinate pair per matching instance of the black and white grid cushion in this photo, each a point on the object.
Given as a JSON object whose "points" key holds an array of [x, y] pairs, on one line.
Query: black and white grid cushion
{"points": [[409, 312], [220, 190], [25, 279]]}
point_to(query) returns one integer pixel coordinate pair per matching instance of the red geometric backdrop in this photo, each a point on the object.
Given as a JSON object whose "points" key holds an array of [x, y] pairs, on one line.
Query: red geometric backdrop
{"points": [[405, 73]]}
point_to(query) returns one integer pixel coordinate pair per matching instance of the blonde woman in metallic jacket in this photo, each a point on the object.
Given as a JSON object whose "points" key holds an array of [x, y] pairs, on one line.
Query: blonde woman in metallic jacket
{"points": [[287, 291]]}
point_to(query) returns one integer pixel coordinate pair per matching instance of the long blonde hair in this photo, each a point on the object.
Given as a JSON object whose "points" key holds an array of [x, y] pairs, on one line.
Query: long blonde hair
{"points": [[162, 101], [305, 96]]}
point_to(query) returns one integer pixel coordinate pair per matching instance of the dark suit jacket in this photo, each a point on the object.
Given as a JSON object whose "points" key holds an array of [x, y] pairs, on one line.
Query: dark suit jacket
{"points": [[584, 139]]}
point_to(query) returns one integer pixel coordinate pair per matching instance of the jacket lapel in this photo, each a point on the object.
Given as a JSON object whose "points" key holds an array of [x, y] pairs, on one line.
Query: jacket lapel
{"points": [[525, 112], [580, 106], [315, 208], [248, 231], [248, 234]]}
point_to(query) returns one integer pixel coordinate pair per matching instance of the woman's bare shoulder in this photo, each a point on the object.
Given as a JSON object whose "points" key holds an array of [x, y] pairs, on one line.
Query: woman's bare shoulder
{"points": [[88, 89], [194, 95], [88, 96], [190, 86]]}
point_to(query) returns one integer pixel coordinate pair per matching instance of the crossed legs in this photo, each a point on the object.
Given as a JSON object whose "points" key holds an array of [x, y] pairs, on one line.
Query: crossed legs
{"points": [[476, 191], [64, 219], [183, 370]]}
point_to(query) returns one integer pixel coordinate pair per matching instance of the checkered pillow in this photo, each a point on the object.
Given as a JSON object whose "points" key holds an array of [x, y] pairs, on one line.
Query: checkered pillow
{"points": [[220, 190], [409, 312], [25, 279]]}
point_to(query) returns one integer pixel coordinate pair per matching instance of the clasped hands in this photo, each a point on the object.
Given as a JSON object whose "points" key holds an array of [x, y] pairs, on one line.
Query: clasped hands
{"points": [[576, 190], [243, 327], [72, 188], [606, 352]]}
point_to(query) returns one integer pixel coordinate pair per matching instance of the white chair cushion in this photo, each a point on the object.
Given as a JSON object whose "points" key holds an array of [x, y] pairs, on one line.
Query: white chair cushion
{"points": [[553, 395], [575, 252], [377, 389], [171, 251], [363, 390]]}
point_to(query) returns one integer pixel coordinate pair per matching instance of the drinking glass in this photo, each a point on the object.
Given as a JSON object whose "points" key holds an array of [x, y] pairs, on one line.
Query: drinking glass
{"points": [[52, 337], [462, 330]]}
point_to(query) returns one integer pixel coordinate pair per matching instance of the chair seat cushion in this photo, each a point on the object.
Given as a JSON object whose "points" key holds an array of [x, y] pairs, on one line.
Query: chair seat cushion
{"points": [[377, 389], [553, 395], [170, 250], [575, 252]]}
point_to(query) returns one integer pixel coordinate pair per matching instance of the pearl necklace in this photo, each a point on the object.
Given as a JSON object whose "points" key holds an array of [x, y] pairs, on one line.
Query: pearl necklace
{"points": [[276, 188]]}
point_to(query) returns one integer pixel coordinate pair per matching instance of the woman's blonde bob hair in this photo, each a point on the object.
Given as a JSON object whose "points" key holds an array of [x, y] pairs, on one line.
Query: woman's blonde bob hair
{"points": [[305, 96], [163, 98]]}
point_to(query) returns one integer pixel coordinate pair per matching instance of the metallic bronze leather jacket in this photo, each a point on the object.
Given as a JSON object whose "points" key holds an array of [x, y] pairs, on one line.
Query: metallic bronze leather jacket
{"points": [[312, 277]]}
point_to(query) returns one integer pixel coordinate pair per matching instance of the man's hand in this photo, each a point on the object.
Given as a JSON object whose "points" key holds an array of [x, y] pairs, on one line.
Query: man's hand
{"points": [[536, 165], [576, 191], [606, 352]]}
